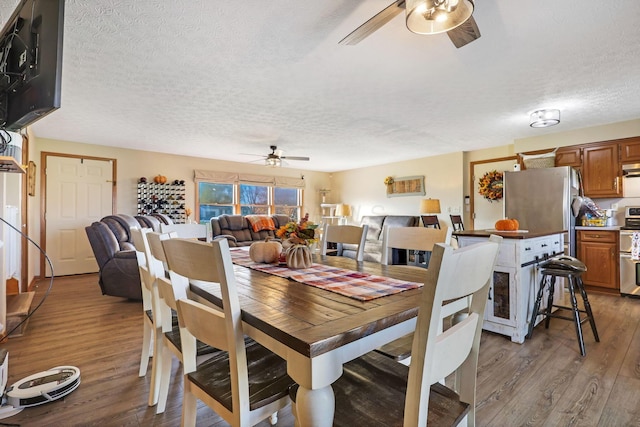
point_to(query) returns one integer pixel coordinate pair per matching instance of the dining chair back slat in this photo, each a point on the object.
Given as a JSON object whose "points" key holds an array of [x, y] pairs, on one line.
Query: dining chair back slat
{"points": [[341, 234], [456, 222], [412, 238], [186, 231], [430, 221]]}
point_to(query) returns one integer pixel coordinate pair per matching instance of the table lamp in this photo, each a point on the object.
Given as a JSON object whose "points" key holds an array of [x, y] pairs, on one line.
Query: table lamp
{"points": [[343, 211]]}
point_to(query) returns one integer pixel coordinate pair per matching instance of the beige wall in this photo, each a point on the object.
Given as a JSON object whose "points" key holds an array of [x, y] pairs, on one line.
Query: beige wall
{"points": [[365, 191]]}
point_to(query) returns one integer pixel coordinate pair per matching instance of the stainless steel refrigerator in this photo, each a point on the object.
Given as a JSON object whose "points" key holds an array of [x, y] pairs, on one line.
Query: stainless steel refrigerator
{"points": [[540, 199]]}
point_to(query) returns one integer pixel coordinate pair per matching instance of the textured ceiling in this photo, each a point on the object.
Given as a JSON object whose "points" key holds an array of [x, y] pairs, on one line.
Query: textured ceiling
{"points": [[223, 79]]}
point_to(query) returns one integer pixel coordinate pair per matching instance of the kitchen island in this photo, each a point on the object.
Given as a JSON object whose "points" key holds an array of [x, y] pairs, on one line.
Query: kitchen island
{"points": [[515, 279]]}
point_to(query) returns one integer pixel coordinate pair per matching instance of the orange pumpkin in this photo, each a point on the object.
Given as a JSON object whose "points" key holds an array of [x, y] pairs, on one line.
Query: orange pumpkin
{"points": [[507, 224]]}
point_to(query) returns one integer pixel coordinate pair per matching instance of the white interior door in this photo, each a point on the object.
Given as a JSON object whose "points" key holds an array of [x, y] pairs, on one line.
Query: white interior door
{"points": [[79, 192], [487, 212]]}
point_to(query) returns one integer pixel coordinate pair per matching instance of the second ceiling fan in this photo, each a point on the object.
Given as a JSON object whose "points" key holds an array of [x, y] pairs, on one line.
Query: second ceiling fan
{"points": [[425, 17], [274, 159]]}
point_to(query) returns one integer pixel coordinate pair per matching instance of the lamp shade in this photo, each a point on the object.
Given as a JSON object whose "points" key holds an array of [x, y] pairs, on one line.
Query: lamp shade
{"points": [[343, 210], [430, 206], [437, 16]]}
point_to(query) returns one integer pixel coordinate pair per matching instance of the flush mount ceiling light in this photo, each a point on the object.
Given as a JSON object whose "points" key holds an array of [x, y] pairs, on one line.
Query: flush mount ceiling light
{"points": [[437, 16], [544, 118]]}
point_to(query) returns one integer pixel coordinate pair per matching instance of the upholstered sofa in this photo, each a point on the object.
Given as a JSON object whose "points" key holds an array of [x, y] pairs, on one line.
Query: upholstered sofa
{"points": [[110, 240], [373, 244], [239, 231]]}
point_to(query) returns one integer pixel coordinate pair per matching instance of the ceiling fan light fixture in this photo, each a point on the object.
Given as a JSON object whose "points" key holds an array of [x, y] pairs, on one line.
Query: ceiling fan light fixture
{"points": [[544, 118], [273, 162], [437, 16]]}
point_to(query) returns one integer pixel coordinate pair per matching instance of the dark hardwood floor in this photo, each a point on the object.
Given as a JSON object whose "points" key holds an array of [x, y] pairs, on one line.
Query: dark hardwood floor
{"points": [[544, 381]]}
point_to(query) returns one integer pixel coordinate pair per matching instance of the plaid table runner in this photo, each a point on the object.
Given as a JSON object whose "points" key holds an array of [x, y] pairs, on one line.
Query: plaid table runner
{"points": [[353, 284]]}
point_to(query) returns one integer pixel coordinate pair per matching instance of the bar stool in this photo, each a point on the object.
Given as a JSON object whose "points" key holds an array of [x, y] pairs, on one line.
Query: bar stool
{"points": [[572, 269]]}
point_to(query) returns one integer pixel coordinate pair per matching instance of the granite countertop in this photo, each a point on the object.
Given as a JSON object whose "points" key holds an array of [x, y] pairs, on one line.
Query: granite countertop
{"points": [[520, 234]]}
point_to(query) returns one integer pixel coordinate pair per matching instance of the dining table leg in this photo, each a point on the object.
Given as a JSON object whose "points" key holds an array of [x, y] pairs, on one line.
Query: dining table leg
{"points": [[315, 408]]}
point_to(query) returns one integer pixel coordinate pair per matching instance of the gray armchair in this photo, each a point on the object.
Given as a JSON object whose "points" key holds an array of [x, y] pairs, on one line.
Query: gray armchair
{"points": [[119, 275], [110, 239]]}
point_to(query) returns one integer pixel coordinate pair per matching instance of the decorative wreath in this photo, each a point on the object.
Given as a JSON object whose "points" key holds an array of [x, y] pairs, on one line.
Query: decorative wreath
{"points": [[491, 185]]}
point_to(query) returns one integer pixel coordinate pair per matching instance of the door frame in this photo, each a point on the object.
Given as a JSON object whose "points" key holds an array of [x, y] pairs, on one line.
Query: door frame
{"points": [[43, 194], [24, 220], [472, 181]]}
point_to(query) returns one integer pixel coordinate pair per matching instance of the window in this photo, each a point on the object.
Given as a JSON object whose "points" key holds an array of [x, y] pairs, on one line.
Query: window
{"points": [[254, 199], [287, 201], [214, 199]]}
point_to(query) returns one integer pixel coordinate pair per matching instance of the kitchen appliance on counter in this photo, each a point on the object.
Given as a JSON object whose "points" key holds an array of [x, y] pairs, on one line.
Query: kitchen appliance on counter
{"points": [[540, 199], [629, 268]]}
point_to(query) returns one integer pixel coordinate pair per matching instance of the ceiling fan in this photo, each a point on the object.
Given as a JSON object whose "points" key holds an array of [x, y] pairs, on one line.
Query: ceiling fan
{"points": [[425, 17], [274, 159]]}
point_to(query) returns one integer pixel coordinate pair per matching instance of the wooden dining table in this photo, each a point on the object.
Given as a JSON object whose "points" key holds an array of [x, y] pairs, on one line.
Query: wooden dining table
{"points": [[316, 330]]}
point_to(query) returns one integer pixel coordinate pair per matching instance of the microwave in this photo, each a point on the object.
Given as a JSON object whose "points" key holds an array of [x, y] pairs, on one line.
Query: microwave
{"points": [[631, 180]]}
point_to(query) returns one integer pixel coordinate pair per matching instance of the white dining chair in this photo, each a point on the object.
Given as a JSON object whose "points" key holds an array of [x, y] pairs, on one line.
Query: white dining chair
{"points": [[152, 319], [374, 390], [169, 340], [246, 382], [186, 231], [413, 239], [340, 234]]}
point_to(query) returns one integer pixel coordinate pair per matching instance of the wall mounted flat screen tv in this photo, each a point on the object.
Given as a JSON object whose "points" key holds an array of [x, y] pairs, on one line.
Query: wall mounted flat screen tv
{"points": [[31, 62]]}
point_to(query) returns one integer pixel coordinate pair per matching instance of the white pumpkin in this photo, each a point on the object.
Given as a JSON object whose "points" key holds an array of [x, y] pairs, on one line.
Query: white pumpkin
{"points": [[266, 252]]}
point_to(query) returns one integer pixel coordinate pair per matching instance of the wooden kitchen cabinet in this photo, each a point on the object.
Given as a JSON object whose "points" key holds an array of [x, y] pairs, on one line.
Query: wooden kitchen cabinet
{"points": [[598, 250], [630, 150], [601, 170], [569, 156]]}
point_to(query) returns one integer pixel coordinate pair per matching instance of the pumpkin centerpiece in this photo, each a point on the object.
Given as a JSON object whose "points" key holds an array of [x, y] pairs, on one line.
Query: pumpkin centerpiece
{"points": [[265, 252], [507, 224], [299, 256]]}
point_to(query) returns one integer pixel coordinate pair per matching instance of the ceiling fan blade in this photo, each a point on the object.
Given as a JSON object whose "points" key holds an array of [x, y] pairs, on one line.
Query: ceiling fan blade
{"points": [[373, 24], [294, 158], [465, 33]]}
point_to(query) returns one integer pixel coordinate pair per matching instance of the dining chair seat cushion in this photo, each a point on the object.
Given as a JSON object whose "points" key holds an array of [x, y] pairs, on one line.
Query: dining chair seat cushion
{"points": [[371, 392], [267, 372]]}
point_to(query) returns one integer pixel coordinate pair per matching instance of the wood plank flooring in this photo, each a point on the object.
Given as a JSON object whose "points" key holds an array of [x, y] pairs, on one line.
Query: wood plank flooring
{"points": [[543, 382]]}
